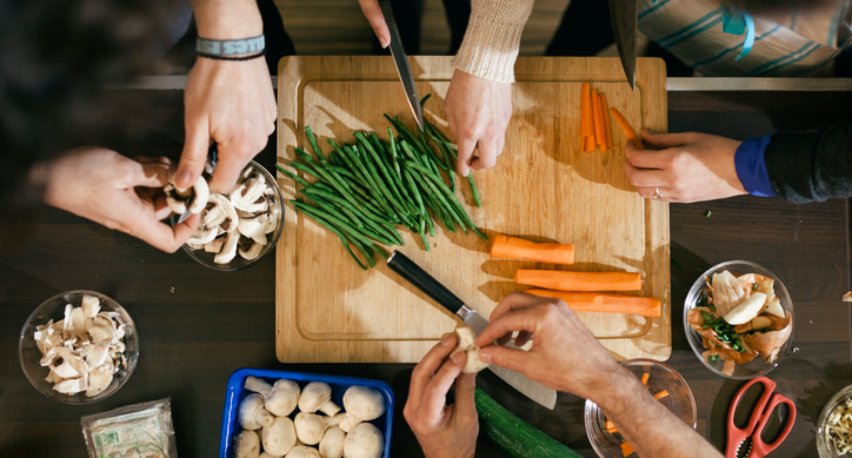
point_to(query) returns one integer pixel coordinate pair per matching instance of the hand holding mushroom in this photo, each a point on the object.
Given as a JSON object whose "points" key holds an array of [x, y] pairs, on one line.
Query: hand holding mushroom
{"points": [[443, 430], [118, 192]]}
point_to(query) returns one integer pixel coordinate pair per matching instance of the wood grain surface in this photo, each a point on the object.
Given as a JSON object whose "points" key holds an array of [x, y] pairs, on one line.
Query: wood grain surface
{"points": [[196, 325], [329, 310]]}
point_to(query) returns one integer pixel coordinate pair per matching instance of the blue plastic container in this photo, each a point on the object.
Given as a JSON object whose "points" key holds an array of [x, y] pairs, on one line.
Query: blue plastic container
{"points": [[235, 394]]}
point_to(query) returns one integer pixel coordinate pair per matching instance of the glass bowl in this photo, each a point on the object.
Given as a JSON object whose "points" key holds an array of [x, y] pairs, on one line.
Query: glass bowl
{"points": [[54, 308], [758, 366], [824, 446], [239, 263], [661, 376]]}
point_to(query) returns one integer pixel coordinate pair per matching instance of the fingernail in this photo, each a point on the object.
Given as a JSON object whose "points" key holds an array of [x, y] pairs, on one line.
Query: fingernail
{"points": [[459, 357], [385, 43], [184, 178], [485, 356]]}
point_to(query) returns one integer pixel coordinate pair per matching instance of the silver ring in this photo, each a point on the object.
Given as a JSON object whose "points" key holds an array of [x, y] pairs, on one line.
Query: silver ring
{"points": [[657, 194]]}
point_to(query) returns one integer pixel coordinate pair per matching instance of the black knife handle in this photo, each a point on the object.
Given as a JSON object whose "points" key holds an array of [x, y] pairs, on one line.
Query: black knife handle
{"points": [[418, 277]]}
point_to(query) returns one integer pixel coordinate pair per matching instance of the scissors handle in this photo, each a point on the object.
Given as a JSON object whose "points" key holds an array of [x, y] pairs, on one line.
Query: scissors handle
{"points": [[760, 448], [759, 418]]}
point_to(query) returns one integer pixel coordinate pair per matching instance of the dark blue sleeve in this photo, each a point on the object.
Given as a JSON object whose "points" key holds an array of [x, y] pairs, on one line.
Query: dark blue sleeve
{"points": [[750, 163]]}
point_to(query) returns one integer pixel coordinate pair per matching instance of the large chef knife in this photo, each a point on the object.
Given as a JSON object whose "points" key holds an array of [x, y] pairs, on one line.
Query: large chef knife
{"points": [[418, 277], [623, 15], [401, 62]]}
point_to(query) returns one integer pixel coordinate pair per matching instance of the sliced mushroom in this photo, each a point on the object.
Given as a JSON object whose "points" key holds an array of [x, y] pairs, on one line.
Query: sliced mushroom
{"points": [[91, 305], [248, 195], [229, 250], [252, 253], [193, 199], [215, 246]]}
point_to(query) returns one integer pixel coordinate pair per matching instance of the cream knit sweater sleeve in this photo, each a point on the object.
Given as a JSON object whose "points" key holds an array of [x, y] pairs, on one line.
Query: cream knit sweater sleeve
{"points": [[492, 39]]}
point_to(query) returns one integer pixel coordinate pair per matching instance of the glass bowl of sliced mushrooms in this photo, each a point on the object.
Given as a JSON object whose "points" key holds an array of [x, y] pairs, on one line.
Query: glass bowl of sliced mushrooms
{"points": [[834, 427], [236, 229], [78, 347], [738, 319]]}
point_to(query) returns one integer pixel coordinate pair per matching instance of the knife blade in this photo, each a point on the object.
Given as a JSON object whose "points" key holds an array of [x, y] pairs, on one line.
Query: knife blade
{"points": [[423, 281], [623, 16], [400, 60]]}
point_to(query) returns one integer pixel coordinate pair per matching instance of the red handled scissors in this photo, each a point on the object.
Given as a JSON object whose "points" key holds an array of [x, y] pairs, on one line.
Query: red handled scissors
{"points": [[769, 401]]}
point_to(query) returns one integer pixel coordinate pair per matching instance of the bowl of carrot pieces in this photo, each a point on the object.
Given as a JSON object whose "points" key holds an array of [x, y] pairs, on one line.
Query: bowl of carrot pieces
{"points": [[664, 383]]}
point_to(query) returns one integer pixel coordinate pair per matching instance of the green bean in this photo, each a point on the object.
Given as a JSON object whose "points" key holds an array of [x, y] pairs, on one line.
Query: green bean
{"points": [[313, 142], [292, 176], [334, 230], [442, 187], [356, 234], [390, 182]]}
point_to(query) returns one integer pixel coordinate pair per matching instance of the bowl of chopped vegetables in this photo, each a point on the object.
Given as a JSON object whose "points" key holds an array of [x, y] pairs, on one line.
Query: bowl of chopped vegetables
{"points": [[738, 319], [661, 381], [834, 427]]}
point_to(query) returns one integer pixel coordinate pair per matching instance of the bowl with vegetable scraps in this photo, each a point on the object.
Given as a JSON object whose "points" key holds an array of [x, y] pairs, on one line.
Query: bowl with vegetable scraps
{"points": [[738, 319], [305, 415], [664, 383], [834, 427], [236, 229], [78, 347]]}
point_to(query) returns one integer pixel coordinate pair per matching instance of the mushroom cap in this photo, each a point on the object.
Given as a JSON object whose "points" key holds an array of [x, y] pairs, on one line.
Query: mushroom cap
{"points": [[247, 445], [314, 395], [331, 445], [303, 451], [364, 441], [251, 414], [363, 403], [282, 399], [473, 363], [310, 428], [279, 437]]}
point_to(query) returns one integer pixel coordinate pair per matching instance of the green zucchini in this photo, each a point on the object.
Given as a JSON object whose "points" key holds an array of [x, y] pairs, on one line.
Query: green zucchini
{"points": [[516, 437]]}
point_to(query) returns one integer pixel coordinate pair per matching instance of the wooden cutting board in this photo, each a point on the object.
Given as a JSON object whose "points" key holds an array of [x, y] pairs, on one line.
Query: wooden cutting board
{"points": [[329, 310]]}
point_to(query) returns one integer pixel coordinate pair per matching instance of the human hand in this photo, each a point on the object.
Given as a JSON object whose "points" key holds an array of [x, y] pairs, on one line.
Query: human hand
{"points": [[440, 429], [564, 355], [233, 104], [110, 189], [684, 167], [478, 112], [374, 16]]}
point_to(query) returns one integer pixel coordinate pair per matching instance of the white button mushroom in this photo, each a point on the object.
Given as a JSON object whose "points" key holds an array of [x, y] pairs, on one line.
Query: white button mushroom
{"points": [[251, 413], [361, 404], [279, 437], [317, 396], [309, 428], [364, 441], [282, 399], [466, 344], [331, 445], [303, 451], [257, 385], [247, 445], [269, 455]]}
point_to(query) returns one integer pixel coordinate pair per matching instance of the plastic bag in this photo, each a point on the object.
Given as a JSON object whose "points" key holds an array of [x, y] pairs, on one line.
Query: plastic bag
{"points": [[136, 431]]}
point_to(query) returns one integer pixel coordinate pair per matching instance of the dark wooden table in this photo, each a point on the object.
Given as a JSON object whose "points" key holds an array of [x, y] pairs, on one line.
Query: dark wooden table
{"points": [[197, 326]]}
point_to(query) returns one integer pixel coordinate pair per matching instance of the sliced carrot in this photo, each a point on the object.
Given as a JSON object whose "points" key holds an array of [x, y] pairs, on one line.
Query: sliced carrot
{"points": [[563, 280], [626, 449], [625, 126], [645, 378], [598, 116], [586, 129], [607, 125], [605, 303], [661, 394], [610, 426], [506, 247]]}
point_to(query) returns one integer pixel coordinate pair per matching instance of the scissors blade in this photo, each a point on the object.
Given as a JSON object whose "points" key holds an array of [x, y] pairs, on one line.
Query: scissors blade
{"points": [[623, 15], [400, 60]]}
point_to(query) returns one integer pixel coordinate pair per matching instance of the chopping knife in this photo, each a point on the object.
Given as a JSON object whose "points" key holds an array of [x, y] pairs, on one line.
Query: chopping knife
{"points": [[623, 15], [418, 277], [400, 60]]}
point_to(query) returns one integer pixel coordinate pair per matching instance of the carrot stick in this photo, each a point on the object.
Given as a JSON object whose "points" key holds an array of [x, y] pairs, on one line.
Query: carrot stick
{"points": [[645, 377], [564, 280], [586, 129], [606, 303], [506, 247], [661, 394], [626, 449], [599, 128], [625, 126], [588, 144], [610, 426], [606, 123]]}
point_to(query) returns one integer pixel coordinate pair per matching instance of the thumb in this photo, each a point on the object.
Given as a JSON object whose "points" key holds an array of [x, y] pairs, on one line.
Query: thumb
{"points": [[374, 16], [498, 355], [664, 140], [194, 154], [465, 387]]}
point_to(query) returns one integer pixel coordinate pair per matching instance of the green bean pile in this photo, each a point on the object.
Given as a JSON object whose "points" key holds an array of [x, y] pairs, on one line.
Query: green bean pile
{"points": [[363, 190]]}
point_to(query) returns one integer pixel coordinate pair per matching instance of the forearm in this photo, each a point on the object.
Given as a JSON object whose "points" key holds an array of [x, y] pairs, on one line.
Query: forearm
{"points": [[646, 423], [227, 19], [492, 39], [811, 166]]}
